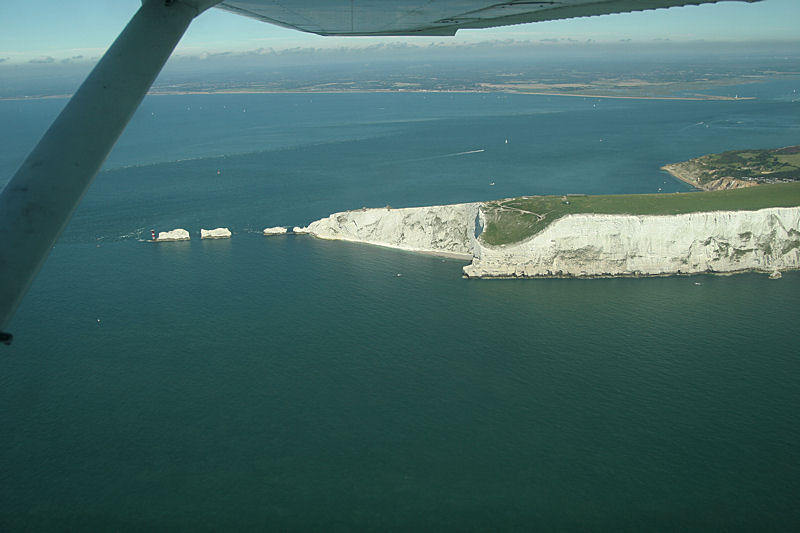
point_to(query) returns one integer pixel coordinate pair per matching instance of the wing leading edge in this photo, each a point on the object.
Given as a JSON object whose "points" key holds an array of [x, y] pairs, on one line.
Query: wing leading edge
{"points": [[430, 17]]}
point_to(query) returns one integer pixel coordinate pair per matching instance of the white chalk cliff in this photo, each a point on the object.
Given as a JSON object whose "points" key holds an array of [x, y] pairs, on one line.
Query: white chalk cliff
{"points": [[174, 235], [218, 233], [440, 229], [585, 245]]}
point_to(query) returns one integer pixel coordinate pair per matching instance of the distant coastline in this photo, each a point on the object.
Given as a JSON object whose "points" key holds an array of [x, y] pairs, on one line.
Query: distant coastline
{"points": [[161, 92], [458, 91]]}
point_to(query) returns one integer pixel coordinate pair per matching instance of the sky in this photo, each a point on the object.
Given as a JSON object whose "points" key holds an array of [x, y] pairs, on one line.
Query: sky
{"points": [[50, 31]]}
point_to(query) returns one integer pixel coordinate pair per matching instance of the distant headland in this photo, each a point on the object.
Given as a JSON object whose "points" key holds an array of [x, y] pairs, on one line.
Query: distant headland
{"points": [[740, 168]]}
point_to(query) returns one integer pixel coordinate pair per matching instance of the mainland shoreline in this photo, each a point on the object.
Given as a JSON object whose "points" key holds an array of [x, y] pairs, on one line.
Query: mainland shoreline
{"points": [[175, 92]]}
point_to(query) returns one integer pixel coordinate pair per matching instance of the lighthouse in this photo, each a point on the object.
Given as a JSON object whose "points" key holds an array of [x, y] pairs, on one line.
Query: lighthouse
{"points": [[153, 233]]}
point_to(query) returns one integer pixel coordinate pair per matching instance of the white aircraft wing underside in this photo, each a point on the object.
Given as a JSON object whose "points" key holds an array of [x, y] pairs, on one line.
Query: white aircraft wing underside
{"points": [[429, 17]]}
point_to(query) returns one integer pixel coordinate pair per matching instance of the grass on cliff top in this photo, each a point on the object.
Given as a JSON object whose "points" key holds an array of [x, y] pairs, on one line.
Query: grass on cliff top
{"points": [[515, 219]]}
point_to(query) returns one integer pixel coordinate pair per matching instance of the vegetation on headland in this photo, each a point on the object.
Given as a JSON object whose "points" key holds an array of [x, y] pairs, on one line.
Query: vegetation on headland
{"points": [[740, 168], [512, 220]]}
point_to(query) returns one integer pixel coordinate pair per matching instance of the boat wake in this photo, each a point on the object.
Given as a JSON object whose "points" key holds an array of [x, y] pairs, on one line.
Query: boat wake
{"points": [[440, 156]]}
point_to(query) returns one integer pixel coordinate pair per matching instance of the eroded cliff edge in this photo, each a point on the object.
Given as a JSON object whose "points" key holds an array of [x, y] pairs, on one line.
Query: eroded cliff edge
{"points": [[440, 229], [585, 245]]}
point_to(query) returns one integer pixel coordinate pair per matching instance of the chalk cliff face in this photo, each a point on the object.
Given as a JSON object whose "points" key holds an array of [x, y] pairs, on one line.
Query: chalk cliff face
{"points": [[443, 229], [626, 245], [585, 245]]}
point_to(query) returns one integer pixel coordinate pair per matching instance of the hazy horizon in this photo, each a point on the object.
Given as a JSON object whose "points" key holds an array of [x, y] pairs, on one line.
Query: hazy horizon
{"points": [[48, 77]]}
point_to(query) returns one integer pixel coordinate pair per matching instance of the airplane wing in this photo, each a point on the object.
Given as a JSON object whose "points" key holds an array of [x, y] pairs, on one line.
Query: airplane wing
{"points": [[428, 17], [37, 203]]}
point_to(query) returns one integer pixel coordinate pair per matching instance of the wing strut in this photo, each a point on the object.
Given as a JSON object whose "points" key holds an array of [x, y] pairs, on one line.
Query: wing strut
{"points": [[37, 203]]}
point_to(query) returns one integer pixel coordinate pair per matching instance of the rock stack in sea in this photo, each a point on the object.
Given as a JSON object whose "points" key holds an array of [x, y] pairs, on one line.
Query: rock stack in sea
{"points": [[277, 230], [218, 233], [178, 234]]}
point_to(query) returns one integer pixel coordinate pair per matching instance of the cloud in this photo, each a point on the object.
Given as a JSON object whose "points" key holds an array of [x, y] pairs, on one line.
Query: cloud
{"points": [[2, 59], [71, 59], [42, 59], [373, 52]]}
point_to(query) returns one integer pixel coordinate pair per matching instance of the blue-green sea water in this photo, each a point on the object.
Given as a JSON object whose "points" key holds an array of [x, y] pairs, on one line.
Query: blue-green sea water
{"points": [[292, 384]]}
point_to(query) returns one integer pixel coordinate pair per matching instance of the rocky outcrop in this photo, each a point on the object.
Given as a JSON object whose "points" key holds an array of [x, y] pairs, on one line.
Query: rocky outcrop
{"points": [[174, 235], [218, 233], [277, 230], [589, 245], [724, 184], [444, 229]]}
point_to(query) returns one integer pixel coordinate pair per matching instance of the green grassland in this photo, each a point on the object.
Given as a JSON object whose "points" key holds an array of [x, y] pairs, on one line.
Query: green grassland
{"points": [[515, 219], [761, 166]]}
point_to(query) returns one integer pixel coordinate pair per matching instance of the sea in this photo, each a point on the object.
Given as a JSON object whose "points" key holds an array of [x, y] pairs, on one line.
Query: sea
{"points": [[295, 384]]}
